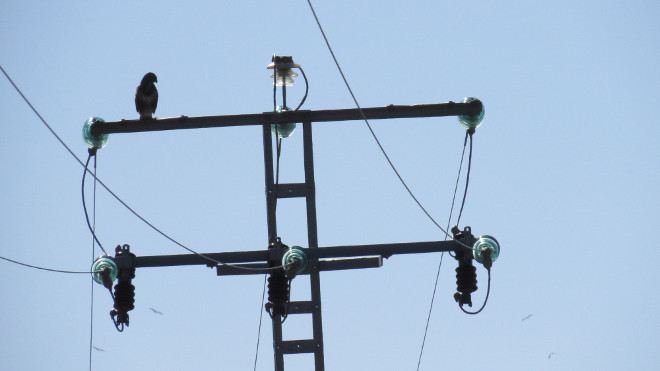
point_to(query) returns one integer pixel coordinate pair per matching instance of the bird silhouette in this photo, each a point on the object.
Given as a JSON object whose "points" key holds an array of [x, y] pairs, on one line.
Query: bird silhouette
{"points": [[552, 354], [146, 96], [527, 317], [99, 349], [156, 311]]}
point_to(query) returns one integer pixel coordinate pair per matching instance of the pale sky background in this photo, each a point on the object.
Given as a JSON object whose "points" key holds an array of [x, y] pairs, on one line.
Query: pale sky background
{"points": [[565, 175]]}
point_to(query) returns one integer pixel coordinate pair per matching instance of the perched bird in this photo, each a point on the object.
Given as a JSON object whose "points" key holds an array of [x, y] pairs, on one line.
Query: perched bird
{"points": [[156, 311], [146, 96]]}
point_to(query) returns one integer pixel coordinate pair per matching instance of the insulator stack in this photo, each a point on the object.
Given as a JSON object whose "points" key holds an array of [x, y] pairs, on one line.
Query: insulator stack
{"points": [[124, 292], [278, 294], [278, 282], [466, 273], [124, 301], [466, 282]]}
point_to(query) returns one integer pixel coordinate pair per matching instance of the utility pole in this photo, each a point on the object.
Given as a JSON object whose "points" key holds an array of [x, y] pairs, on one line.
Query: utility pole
{"points": [[284, 262]]}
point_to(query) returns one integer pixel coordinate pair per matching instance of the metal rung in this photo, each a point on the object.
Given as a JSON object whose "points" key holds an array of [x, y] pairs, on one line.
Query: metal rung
{"points": [[351, 263], [302, 307], [289, 190], [298, 346], [232, 270]]}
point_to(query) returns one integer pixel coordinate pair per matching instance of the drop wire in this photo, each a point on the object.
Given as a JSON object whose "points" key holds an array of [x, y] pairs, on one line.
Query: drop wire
{"points": [[261, 316], [89, 225], [437, 275], [91, 308]]}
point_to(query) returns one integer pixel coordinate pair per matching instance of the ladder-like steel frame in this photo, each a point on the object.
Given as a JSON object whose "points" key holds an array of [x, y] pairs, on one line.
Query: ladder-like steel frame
{"points": [[351, 257], [313, 307]]}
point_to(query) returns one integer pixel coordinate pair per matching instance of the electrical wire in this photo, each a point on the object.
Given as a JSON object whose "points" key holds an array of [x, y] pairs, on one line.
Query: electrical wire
{"points": [[46, 269], [117, 197], [458, 177], [261, 316], [485, 300], [428, 318], [275, 90], [437, 275], [382, 149], [91, 306], [278, 140], [278, 144], [39, 115], [467, 182], [467, 177], [85, 205], [91, 321], [306, 89]]}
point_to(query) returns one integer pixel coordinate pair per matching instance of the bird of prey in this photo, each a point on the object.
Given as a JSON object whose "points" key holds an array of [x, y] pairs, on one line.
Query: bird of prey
{"points": [[156, 311], [99, 349], [146, 96], [527, 317], [552, 354]]}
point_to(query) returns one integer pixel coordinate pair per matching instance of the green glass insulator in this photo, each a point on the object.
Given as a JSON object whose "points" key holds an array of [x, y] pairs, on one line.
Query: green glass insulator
{"points": [[295, 256], [486, 243], [283, 130], [472, 122], [94, 141], [104, 262]]}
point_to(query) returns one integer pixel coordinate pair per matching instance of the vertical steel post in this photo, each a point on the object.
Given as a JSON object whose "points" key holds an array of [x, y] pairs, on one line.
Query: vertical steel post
{"points": [[271, 217], [312, 240], [271, 196]]}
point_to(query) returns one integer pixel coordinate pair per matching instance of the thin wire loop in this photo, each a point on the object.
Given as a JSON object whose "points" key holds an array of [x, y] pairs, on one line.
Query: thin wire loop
{"points": [[485, 300], [306, 89]]}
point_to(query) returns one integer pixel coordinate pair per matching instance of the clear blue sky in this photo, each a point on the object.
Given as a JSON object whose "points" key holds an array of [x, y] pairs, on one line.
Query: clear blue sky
{"points": [[565, 175]]}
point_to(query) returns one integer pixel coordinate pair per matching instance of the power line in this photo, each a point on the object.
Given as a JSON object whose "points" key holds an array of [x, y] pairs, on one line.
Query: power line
{"points": [[469, 133], [39, 115], [91, 324], [91, 229], [382, 149], [467, 177], [437, 275], [113, 194], [261, 316], [91, 300], [428, 318], [46, 269]]}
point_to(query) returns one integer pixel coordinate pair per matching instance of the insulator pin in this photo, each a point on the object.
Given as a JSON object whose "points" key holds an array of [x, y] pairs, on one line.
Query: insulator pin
{"points": [[105, 271], [294, 261]]}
